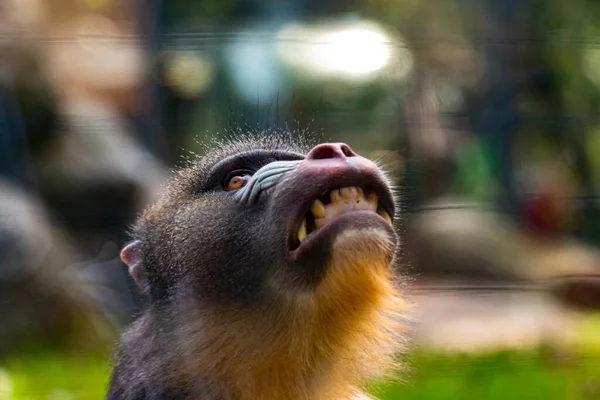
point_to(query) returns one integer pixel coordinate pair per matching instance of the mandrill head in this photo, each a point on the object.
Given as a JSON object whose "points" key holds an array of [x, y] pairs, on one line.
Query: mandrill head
{"points": [[269, 268]]}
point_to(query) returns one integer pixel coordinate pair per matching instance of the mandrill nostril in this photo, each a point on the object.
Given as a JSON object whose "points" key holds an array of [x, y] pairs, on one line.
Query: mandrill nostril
{"points": [[324, 152], [330, 150], [347, 151]]}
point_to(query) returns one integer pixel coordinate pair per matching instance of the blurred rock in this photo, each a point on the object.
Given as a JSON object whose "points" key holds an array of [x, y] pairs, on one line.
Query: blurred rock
{"points": [[478, 316], [96, 177], [450, 239], [485, 284], [42, 300], [463, 241]]}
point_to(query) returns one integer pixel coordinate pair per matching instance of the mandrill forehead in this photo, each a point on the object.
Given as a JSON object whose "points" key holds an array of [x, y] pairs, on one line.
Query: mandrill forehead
{"points": [[187, 183], [218, 151]]}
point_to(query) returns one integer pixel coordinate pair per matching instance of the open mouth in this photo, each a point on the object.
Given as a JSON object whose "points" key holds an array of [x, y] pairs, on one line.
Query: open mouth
{"points": [[336, 202]]}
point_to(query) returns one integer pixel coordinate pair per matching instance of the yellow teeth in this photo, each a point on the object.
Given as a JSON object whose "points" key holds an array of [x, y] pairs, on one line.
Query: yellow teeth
{"points": [[385, 216], [302, 231], [354, 193], [343, 200], [335, 196], [358, 193], [346, 194], [373, 198], [318, 209]]}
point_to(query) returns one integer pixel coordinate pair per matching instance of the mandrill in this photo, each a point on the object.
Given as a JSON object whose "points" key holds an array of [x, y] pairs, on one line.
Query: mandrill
{"points": [[268, 269]]}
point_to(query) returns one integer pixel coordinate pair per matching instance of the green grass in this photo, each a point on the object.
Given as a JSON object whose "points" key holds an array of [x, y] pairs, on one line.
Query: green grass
{"points": [[516, 375], [51, 376]]}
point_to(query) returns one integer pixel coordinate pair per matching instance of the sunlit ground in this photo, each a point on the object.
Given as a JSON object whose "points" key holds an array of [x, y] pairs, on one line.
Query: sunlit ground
{"points": [[535, 374]]}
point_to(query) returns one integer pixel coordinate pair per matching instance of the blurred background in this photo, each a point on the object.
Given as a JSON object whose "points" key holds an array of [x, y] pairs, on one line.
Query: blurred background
{"points": [[484, 112]]}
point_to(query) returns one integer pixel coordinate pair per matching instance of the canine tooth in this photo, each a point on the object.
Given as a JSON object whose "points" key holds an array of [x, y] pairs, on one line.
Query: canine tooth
{"points": [[360, 193], [354, 193], [318, 209], [346, 194], [385, 216], [335, 196], [302, 231]]}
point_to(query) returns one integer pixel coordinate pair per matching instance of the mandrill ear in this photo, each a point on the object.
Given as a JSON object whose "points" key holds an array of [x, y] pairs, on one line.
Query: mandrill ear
{"points": [[132, 257]]}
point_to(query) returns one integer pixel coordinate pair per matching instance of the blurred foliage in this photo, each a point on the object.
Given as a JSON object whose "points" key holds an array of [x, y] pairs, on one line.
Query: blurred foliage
{"points": [[474, 172], [510, 76]]}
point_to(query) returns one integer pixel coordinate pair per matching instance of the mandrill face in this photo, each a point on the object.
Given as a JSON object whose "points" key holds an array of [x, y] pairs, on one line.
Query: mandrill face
{"points": [[261, 219], [268, 268]]}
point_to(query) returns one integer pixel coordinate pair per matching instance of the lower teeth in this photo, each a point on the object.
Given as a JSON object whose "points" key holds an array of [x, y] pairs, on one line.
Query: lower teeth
{"points": [[319, 222]]}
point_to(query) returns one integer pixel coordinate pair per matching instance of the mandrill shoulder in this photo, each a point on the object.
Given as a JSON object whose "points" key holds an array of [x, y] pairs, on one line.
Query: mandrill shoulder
{"points": [[147, 365], [138, 365]]}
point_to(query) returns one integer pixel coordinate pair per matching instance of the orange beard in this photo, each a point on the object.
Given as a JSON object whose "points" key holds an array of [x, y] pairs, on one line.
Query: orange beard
{"points": [[320, 345]]}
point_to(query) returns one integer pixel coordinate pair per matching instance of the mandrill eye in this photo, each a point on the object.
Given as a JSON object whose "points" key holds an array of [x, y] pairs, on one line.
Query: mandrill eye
{"points": [[237, 179]]}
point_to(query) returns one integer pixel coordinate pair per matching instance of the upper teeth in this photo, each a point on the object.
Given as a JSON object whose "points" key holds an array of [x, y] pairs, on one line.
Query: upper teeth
{"points": [[318, 209], [302, 230], [342, 201]]}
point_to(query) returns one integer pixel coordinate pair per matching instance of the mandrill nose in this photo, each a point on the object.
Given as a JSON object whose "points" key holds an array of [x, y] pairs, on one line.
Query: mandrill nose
{"points": [[330, 150]]}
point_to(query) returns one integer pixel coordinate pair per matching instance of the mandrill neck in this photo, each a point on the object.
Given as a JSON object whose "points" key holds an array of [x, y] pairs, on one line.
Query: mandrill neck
{"points": [[316, 346]]}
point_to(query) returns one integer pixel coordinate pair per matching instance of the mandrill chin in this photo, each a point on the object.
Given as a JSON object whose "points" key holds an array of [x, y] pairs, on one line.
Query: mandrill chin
{"points": [[268, 269]]}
